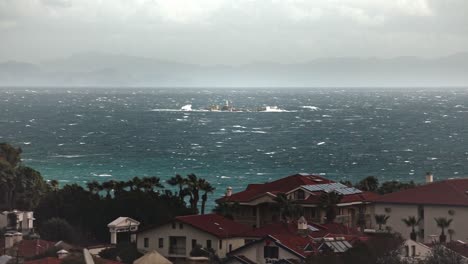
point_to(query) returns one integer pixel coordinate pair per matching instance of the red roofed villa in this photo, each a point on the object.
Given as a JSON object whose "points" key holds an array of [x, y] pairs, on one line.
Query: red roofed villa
{"points": [[256, 202]]}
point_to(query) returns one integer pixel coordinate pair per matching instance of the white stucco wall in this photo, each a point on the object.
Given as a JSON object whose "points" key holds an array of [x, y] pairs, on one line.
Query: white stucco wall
{"points": [[189, 233], [459, 223], [398, 212]]}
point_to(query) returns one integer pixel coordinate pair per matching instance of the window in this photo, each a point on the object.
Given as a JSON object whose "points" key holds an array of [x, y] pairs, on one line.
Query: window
{"points": [[421, 212], [220, 244], [194, 243], [181, 226], [413, 251], [254, 211], [146, 242], [230, 247], [161, 242], [407, 251], [270, 252], [173, 225], [300, 195], [208, 243]]}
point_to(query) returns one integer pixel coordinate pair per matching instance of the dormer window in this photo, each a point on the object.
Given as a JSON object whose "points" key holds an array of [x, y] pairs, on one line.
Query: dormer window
{"points": [[300, 195]]}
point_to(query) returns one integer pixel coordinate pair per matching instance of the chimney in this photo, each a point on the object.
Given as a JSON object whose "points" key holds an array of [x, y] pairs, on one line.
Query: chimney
{"points": [[302, 226], [62, 254], [17, 237], [9, 240], [429, 177], [229, 191]]}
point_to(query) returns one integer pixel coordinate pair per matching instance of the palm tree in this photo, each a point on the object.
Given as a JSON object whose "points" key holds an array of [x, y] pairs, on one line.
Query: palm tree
{"points": [[119, 187], [149, 183], [193, 191], [178, 181], [370, 183], [443, 223], [54, 185], [329, 201], [287, 207], [206, 188], [381, 219], [226, 209], [136, 184], [93, 186], [411, 221], [107, 186]]}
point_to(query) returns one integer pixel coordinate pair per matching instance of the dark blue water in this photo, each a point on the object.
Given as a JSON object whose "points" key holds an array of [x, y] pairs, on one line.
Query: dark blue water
{"points": [[78, 135]]}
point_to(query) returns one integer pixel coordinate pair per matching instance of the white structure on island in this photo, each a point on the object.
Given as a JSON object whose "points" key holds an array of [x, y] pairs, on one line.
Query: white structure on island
{"points": [[123, 224]]}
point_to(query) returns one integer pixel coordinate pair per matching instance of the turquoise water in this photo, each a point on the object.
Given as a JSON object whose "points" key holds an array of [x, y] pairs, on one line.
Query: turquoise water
{"points": [[78, 135]]}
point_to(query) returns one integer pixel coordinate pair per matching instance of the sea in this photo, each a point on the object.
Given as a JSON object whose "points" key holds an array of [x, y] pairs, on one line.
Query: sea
{"points": [[76, 135]]}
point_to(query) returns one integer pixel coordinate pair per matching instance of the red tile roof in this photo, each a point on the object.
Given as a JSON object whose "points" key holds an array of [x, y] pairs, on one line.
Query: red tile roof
{"points": [[290, 183], [48, 260], [447, 192], [214, 224], [30, 248], [290, 230], [279, 186], [460, 248]]}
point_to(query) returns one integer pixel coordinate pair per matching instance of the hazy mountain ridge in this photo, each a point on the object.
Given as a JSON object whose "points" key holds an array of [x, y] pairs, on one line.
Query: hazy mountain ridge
{"points": [[97, 69]]}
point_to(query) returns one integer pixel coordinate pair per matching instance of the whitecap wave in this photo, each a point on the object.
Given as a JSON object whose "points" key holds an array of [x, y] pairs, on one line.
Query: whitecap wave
{"points": [[310, 107]]}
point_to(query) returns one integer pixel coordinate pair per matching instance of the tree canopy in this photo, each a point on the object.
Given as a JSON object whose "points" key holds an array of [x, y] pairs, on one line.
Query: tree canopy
{"points": [[21, 187]]}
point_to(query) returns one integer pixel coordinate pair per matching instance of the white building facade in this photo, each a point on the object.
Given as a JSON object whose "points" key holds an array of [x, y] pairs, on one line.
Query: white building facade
{"points": [[177, 239], [448, 199]]}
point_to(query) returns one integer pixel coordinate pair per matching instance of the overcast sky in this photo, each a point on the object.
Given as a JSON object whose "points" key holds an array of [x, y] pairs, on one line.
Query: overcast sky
{"points": [[232, 31]]}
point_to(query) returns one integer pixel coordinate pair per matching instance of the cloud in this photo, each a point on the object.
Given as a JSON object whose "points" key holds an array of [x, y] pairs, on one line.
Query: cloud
{"points": [[57, 3], [233, 31]]}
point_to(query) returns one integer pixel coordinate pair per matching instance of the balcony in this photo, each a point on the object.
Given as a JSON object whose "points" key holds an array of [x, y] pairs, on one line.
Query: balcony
{"points": [[177, 250], [177, 245]]}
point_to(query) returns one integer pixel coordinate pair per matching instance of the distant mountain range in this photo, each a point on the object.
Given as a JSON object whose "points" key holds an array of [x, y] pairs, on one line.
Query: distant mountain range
{"points": [[97, 69]]}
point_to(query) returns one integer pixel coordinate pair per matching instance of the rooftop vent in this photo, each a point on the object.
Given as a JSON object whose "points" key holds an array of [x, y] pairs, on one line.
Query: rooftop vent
{"points": [[229, 191], [429, 177]]}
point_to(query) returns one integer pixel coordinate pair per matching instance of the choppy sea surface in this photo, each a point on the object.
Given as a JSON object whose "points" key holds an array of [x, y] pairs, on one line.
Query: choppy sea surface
{"points": [[84, 134]]}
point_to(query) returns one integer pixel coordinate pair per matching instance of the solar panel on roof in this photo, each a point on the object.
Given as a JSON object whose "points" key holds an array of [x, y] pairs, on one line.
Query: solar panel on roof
{"points": [[312, 228], [330, 187], [337, 246]]}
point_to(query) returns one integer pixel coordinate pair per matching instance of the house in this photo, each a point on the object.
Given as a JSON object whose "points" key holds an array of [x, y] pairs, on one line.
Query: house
{"points": [[292, 242], [123, 224], [257, 206], [175, 240], [447, 198], [22, 221], [414, 251]]}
